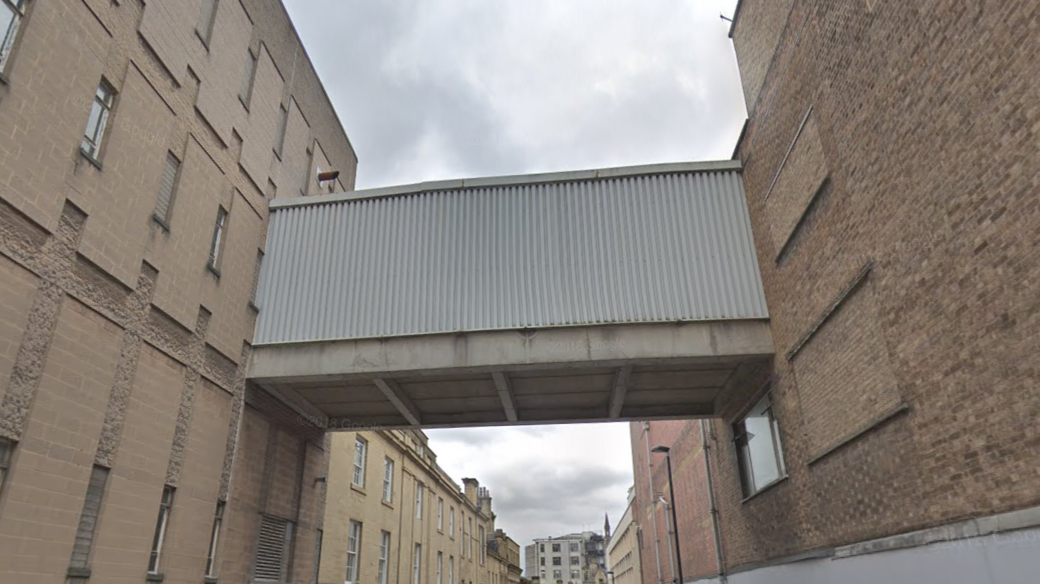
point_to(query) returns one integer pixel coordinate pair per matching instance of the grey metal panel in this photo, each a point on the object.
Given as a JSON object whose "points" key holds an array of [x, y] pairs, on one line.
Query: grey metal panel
{"points": [[673, 246]]}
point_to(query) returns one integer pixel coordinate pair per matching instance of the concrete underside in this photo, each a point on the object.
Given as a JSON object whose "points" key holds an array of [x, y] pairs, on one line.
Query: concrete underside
{"points": [[558, 375]]}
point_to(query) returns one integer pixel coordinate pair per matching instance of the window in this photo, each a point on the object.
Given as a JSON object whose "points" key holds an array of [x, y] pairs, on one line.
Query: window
{"points": [[543, 561], [422, 449], [100, 110], [469, 539], [274, 551], [451, 569], [542, 546], [283, 121], [557, 561], [256, 277], [218, 239], [556, 548], [440, 567], [440, 514], [418, 499], [482, 543], [757, 438], [575, 561], [557, 574], [575, 575], [451, 522], [360, 452], [211, 559], [416, 564], [384, 557], [204, 28], [388, 479], [574, 548], [165, 504], [245, 92], [11, 13], [317, 555], [353, 548], [167, 183], [88, 518]]}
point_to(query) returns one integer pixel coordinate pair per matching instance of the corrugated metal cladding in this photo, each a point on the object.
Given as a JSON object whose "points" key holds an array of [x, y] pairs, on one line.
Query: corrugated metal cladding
{"points": [[649, 248]]}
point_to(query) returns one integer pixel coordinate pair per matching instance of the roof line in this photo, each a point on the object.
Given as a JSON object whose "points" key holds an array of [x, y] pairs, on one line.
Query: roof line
{"points": [[511, 180]]}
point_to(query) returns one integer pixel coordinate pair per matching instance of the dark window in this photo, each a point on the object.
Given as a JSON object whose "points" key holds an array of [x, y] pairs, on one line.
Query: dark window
{"points": [[757, 438], [557, 561], [556, 547], [218, 238], [167, 184], [165, 505], [214, 538], [100, 110]]}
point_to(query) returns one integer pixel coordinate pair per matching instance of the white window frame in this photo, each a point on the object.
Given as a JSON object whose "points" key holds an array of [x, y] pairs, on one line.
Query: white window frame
{"points": [[100, 108], [388, 480], [384, 557], [360, 458], [419, 488], [440, 568], [165, 507], [417, 564], [440, 514], [451, 522], [742, 441], [451, 569], [353, 551], [217, 245], [17, 8]]}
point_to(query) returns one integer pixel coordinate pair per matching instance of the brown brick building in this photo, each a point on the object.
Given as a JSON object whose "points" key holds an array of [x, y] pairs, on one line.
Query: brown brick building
{"points": [[139, 146], [891, 168]]}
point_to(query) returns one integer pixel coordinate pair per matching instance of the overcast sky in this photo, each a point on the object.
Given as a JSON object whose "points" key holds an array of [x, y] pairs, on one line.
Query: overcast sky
{"points": [[435, 89]]}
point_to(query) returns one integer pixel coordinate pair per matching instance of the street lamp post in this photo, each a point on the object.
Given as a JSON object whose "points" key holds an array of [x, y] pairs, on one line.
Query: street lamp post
{"points": [[671, 494]]}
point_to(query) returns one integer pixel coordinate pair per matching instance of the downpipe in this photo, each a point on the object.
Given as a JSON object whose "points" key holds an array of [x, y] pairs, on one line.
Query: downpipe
{"points": [[720, 560]]}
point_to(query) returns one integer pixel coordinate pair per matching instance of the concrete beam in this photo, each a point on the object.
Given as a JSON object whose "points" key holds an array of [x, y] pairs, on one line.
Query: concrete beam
{"points": [[617, 394], [482, 352], [397, 397], [505, 393]]}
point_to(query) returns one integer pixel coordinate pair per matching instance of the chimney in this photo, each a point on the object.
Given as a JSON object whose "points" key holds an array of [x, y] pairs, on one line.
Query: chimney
{"points": [[471, 490], [484, 500]]}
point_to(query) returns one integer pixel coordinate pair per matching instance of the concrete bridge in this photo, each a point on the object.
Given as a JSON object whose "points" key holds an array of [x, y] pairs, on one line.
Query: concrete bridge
{"points": [[618, 294]]}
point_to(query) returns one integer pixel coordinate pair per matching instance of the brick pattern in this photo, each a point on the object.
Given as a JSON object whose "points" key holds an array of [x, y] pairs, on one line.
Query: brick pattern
{"points": [[95, 349], [932, 164]]}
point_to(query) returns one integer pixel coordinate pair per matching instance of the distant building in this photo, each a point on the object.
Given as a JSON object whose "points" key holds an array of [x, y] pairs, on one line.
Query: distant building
{"points": [[623, 548], [575, 558], [394, 516]]}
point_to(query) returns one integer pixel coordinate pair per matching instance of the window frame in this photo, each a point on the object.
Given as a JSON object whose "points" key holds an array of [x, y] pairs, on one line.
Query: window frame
{"points": [[419, 488], [164, 218], [6, 451], [91, 144], [417, 564], [440, 514], [482, 542], [216, 246], [742, 445], [557, 561], [354, 531], [161, 523], [451, 569], [383, 565], [211, 557], [388, 480], [360, 466], [440, 567], [10, 36]]}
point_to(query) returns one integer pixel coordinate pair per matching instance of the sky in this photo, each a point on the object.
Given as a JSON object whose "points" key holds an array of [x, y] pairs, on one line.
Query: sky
{"points": [[439, 89]]}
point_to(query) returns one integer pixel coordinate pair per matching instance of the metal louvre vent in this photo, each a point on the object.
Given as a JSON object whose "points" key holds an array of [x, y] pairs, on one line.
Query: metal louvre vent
{"points": [[272, 550]]}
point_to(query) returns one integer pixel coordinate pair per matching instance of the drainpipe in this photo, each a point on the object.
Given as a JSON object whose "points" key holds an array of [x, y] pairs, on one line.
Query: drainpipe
{"points": [[720, 560], [671, 537], [653, 511]]}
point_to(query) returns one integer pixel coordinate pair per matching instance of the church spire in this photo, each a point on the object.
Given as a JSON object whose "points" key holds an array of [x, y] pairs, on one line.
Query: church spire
{"points": [[606, 526]]}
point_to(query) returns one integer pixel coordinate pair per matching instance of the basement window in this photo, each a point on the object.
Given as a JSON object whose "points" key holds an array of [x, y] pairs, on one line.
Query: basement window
{"points": [[757, 437]]}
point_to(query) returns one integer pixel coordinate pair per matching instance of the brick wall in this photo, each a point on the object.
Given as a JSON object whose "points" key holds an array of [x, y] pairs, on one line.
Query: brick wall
{"points": [[890, 168]]}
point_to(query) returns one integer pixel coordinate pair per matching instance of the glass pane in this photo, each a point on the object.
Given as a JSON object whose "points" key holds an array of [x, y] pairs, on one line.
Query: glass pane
{"points": [[7, 18], [93, 123], [760, 449]]}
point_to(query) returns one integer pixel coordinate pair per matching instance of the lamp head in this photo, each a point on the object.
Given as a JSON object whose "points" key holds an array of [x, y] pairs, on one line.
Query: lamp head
{"points": [[660, 449]]}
